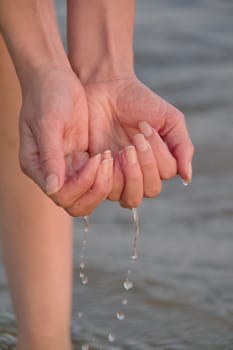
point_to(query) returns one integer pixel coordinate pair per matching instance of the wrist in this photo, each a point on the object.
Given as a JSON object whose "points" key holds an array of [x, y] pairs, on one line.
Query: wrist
{"points": [[100, 39], [40, 69], [31, 34], [104, 68]]}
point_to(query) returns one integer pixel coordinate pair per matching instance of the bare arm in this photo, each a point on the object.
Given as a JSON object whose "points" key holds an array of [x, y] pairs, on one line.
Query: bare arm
{"points": [[30, 30], [100, 38], [54, 114]]}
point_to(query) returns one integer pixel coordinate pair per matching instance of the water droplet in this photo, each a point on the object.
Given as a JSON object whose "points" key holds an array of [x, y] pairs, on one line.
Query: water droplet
{"points": [[82, 265], [124, 301], [84, 244], [129, 272], [80, 314], [111, 338], [185, 183], [84, 280], [85, 347], [128, 284], [81, 275], [134, 257], [120, 316]]}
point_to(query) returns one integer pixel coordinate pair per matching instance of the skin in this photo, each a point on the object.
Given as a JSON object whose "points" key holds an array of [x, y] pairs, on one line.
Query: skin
{"points": [[36, 236], [69, 115], [120, 106]]}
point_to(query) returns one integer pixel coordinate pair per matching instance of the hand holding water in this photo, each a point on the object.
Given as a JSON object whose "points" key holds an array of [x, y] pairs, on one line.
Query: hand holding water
{"points": [[120, 112], [54, 138]]}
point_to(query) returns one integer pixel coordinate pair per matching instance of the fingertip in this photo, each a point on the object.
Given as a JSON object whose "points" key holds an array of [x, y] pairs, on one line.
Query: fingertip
{"points": [[187, 177], [52, 184]]}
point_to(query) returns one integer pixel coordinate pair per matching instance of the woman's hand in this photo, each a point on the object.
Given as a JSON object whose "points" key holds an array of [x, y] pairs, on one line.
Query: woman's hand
{"points": [[118, 111], [53, 139]]}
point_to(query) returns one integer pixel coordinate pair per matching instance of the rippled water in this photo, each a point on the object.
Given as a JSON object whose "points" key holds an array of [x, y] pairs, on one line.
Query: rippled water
{"points": [[183, 281]]}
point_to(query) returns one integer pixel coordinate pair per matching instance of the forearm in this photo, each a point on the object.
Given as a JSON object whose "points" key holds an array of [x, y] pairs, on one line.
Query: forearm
{"points": [[100, 38], [30, 30]]}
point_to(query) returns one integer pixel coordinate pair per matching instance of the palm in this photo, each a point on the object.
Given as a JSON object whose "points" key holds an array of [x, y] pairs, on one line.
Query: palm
{"points": [[115, 109]]}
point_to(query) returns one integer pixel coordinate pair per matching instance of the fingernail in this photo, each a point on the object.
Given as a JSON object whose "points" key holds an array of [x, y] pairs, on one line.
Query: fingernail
{"points": [[107, 154], [120, 157], [106, 166], [130, 154], [189, 180], [140, 142], [145, 128], [190, 172], [97, 157], [51, 184]]}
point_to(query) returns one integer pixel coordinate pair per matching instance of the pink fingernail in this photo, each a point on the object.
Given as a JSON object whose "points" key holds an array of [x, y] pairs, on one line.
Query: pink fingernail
{"points": [[140, 142], [51, 184], [130, 154], [145, 128], [107, 154], [190, 172], [189, 180]]}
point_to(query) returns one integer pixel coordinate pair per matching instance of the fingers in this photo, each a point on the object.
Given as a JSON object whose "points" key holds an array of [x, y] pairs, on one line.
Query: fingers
{"points": [[170, 124], [133, 189], [77, 185], [166, 162], [97, 193], [151, 179]]}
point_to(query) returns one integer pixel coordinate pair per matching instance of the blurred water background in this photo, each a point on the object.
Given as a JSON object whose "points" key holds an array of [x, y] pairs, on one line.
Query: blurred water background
{"points": [[183, 281]]}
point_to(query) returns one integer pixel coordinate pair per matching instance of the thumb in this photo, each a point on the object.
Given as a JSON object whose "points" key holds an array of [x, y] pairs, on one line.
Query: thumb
{"points": [[51, 157]]}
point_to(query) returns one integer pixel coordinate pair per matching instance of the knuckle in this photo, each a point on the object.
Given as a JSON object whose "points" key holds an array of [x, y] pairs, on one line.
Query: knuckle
{"points": [[192, 149], [179, 117], [48, 156], [61, 201]]}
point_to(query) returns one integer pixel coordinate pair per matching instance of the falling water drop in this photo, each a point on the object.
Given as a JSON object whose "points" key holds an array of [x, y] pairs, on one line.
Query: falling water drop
{"points": [[82, 274], [127, 284], [124, 301], [120, 316], [185, 183], [84, 280], [136, 223], [84, 245], [82, 265], [111, 338]]}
